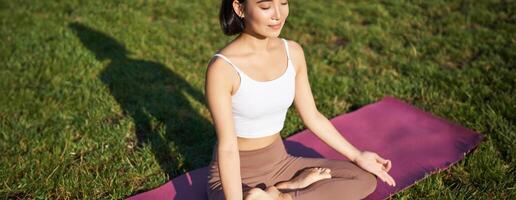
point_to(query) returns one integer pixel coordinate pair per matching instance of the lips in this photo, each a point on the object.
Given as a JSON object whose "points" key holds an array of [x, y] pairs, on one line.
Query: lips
{"points": [[277, 26]]}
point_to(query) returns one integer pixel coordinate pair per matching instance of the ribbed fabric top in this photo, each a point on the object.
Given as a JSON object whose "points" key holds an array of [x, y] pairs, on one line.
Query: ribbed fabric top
{"points": [[260, 107]]}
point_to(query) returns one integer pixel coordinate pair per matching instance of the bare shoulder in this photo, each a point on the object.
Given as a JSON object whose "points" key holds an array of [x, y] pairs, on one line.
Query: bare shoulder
{"points": [[217, 65], [297, 54], [219, 72], [294, 46]]}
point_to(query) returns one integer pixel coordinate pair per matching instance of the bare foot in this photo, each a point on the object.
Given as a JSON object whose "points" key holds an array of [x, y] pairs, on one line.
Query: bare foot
{"points": [[305, 178]]}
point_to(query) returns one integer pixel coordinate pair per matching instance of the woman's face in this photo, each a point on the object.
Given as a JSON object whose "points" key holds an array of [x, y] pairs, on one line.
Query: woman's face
{"points": [[263, 17]]}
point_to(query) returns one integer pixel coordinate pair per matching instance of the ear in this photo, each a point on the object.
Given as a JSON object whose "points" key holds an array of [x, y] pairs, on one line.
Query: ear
{"points": [[238, 8]]}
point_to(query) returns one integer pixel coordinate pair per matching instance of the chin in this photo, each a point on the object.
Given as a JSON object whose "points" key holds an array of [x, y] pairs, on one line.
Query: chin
{"points": [[267, 32], [272, 34]]}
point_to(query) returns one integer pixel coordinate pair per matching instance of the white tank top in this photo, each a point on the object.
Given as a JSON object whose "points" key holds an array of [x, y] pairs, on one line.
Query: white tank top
{"points": [[260, 107]]}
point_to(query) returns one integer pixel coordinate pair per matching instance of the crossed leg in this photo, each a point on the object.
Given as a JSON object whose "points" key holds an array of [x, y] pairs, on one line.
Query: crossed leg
{"points": [[348, 181], [345, 181], [305, 178]]}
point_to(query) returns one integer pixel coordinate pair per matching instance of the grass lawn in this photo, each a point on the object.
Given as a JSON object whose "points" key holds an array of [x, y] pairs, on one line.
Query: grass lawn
{"points": [[105, 99]]}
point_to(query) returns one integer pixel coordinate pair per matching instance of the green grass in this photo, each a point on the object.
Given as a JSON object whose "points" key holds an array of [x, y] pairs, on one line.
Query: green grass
{"points": [[105, 99]]}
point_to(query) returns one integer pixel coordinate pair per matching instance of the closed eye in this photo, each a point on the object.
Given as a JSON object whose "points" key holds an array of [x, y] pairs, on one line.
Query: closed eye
{"points": [[265, 8]]}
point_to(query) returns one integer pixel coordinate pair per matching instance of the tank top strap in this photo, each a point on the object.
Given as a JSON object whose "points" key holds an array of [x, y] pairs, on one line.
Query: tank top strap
{"points": [[229, 61], [286, 48]]}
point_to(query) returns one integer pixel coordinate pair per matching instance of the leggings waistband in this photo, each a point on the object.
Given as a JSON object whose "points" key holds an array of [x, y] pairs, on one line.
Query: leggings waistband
{"points": [[262, 158]]}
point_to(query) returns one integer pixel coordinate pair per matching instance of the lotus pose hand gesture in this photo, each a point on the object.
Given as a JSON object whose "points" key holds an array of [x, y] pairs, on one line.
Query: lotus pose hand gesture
{"points": [[375, 164]]}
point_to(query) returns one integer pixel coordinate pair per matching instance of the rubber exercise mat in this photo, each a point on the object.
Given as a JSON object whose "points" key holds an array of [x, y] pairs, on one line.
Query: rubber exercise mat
{"points": [[417, 143]]}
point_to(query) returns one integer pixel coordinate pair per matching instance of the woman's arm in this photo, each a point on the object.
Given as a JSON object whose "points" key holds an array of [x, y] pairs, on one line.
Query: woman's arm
{"points": [[305, 106], [218, 93], [324, 129]]}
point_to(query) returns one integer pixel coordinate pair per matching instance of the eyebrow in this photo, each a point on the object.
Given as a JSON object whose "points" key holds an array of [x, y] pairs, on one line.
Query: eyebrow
{"points": [[260, 1]]}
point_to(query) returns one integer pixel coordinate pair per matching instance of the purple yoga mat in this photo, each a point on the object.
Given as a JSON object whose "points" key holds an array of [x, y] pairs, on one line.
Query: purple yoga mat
{"points": [[416, 142]]}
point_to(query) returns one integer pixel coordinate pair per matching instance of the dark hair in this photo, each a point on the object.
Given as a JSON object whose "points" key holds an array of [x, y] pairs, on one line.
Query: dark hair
{"points": [[231, 23]]}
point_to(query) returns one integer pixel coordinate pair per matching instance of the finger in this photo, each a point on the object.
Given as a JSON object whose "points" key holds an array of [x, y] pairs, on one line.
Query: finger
{"points": [[384, 167], [383, 177], [381, 160], [379, 167], [389, 165], [386, 163], [390, 178]]}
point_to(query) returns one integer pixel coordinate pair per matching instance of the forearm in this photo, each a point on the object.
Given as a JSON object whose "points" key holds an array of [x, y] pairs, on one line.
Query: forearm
{"points": [[324, 129], [229, 169]]}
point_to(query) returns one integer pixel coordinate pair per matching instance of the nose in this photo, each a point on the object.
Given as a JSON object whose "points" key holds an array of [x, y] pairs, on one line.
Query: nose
{"points": [[277, 13]]}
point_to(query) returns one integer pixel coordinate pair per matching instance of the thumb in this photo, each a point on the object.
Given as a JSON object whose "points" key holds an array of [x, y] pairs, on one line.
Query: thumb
{"points": [[381, 160]]}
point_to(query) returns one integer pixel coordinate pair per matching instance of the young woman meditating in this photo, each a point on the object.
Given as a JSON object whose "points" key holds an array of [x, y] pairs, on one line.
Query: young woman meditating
{"points": [[250, 84]]}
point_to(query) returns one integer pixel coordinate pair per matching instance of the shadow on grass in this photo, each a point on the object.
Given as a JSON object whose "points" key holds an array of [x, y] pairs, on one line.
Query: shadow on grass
{"points": [[155, 97]]}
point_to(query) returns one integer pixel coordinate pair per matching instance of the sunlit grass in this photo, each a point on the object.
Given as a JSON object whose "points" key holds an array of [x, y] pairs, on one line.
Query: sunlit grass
{"points": [[104, 99]]}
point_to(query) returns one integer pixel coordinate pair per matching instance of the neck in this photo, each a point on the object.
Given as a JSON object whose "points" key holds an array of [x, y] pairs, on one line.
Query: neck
{"points": [[255, 43]]}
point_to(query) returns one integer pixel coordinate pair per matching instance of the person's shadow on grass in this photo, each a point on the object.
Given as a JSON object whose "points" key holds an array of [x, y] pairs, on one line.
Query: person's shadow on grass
{"points": [[156, 98]]}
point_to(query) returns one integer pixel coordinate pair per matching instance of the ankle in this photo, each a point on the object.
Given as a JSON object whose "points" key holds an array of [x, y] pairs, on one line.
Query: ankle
{"points": [[287, 185]]}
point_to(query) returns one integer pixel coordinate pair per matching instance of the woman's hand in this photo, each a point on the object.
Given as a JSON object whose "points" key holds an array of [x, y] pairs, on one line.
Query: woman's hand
{"points": [[375, 164]]}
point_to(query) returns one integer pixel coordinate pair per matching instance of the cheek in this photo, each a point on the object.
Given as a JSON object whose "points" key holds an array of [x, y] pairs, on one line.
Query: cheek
{"points": [[261, 17], [284, 10], [284, 13]]}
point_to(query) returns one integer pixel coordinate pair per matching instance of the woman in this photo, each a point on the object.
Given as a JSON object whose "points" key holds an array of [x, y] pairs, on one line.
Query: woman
{"points": [[250, 84]]}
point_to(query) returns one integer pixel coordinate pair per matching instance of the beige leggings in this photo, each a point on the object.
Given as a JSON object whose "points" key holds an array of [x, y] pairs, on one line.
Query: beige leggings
{"points": [[272, 164]]}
